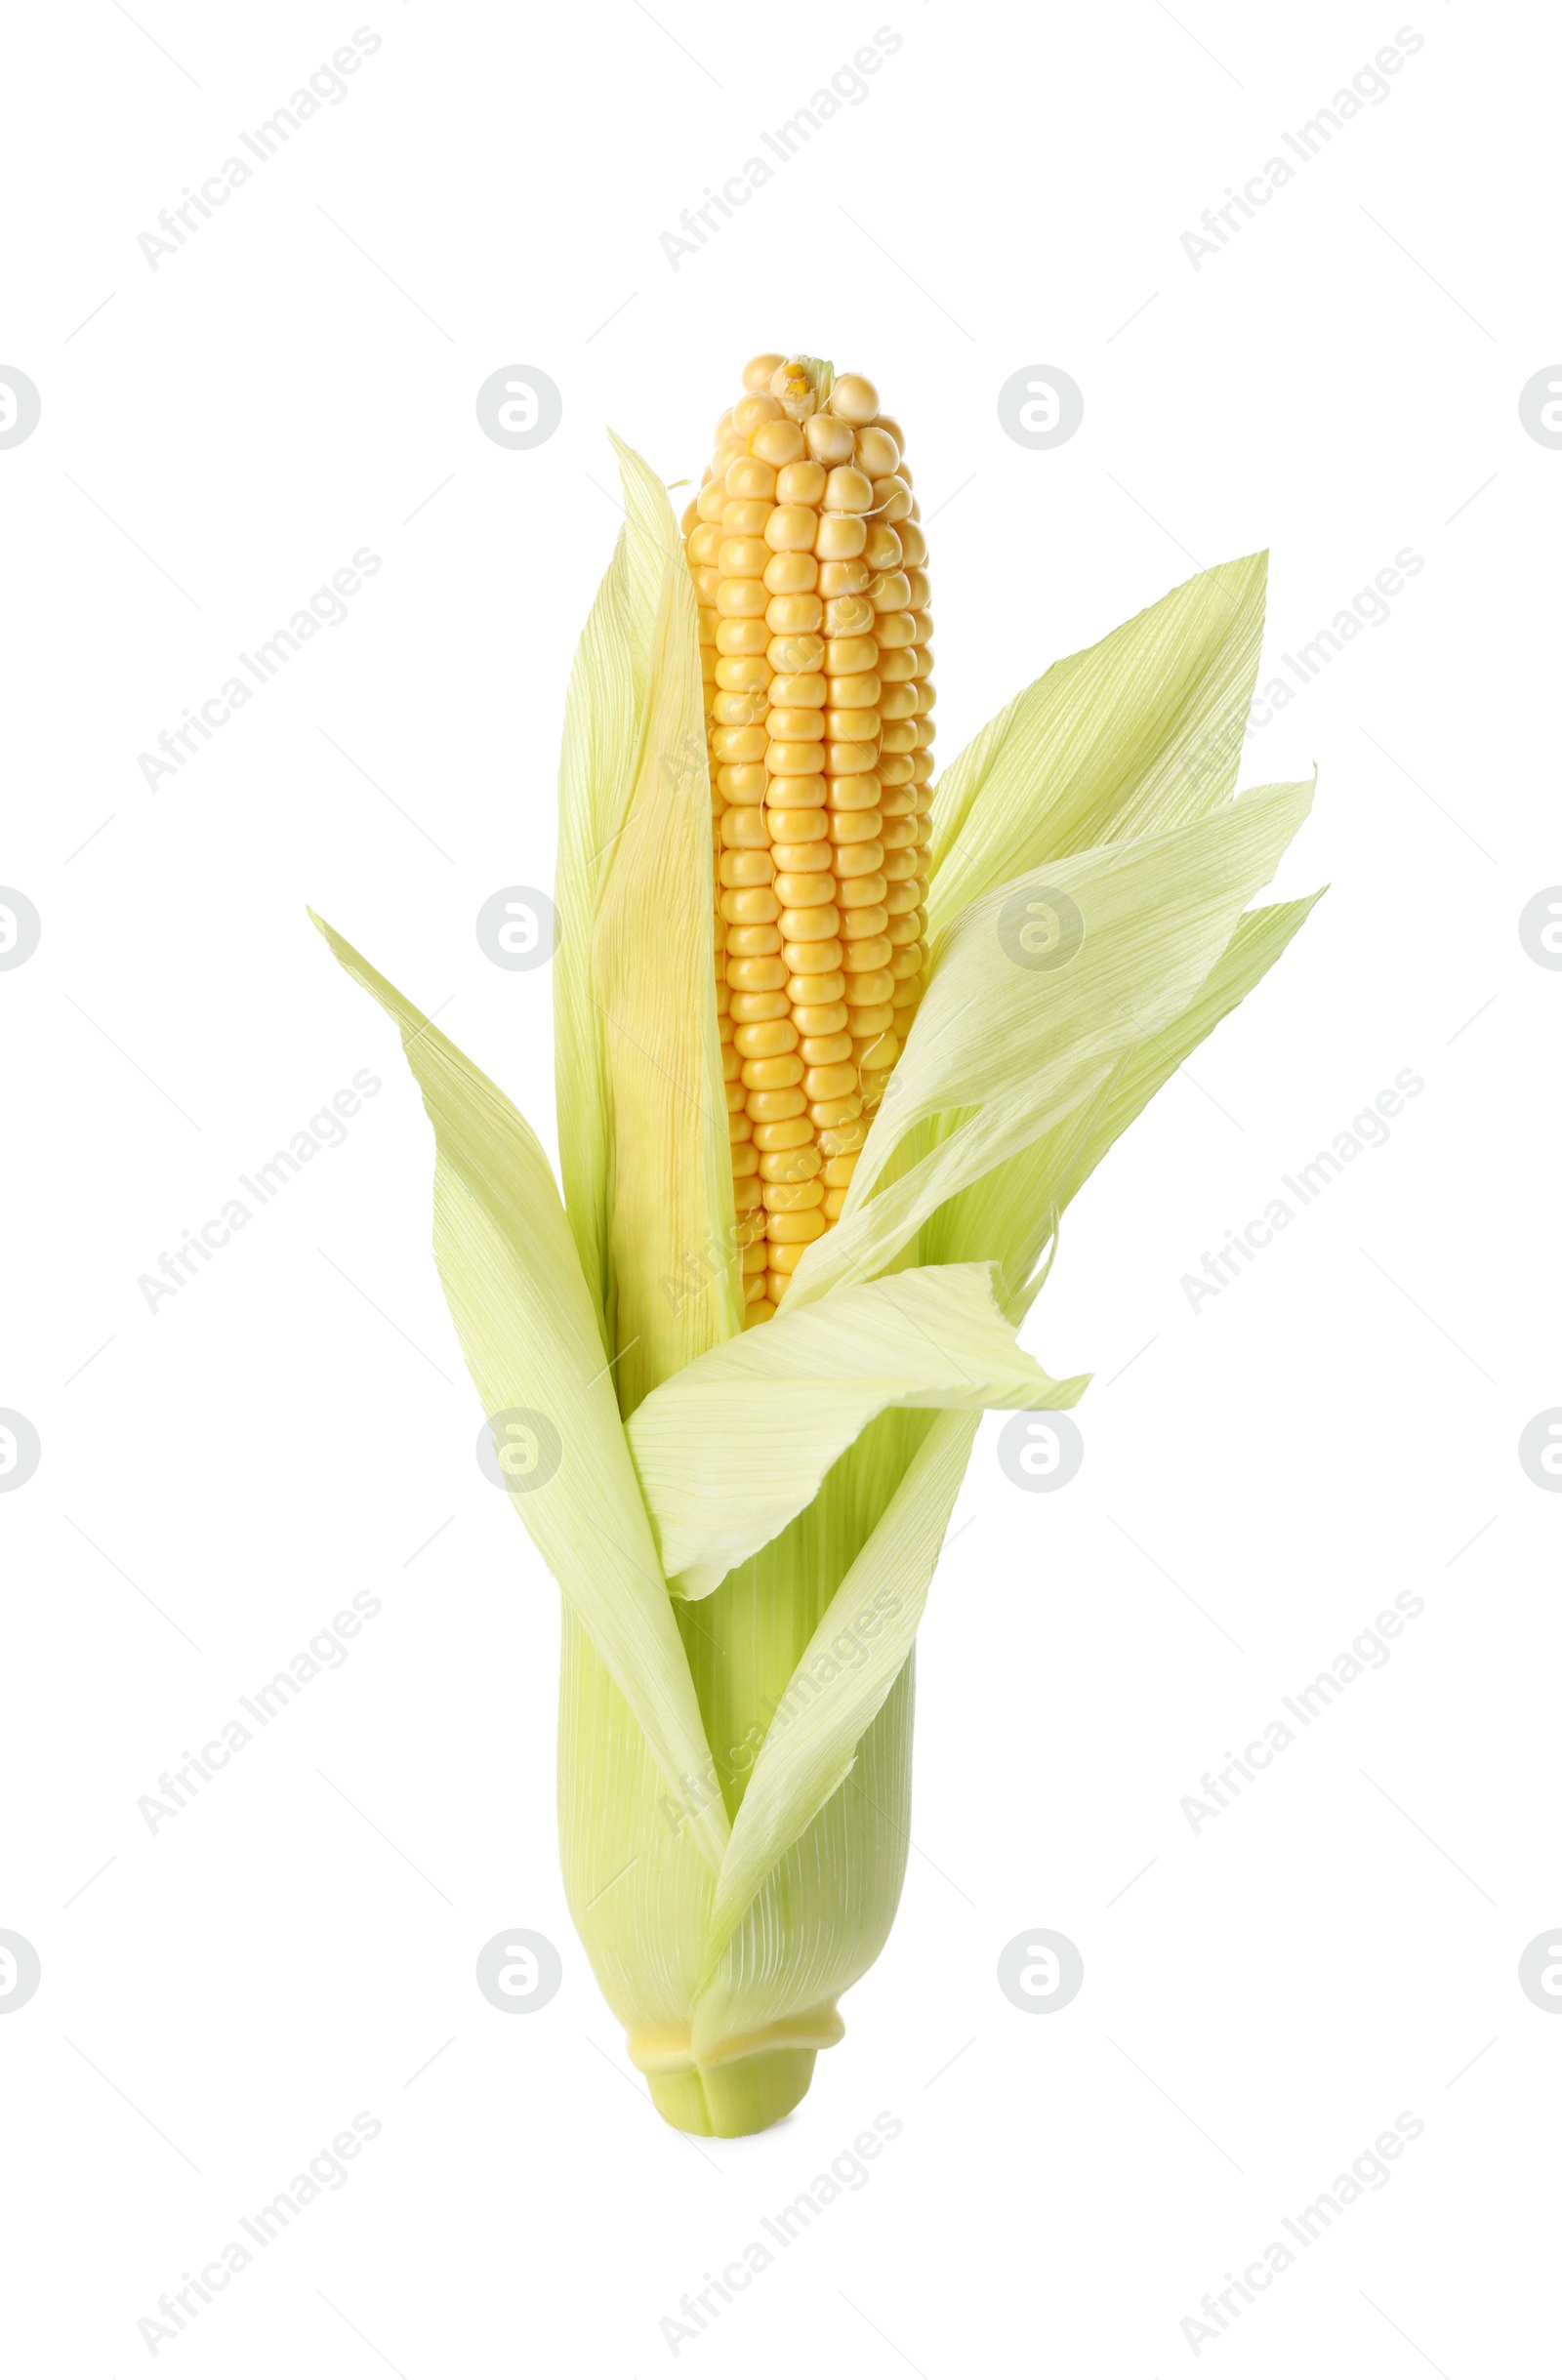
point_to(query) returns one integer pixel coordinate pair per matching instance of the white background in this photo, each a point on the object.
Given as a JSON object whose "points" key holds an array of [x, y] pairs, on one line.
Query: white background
{"points": [[1261, 1999]]}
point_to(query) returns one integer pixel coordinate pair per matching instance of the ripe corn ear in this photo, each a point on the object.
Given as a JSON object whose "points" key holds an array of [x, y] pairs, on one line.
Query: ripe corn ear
{"points": [[744, 1526], [809, 565]]}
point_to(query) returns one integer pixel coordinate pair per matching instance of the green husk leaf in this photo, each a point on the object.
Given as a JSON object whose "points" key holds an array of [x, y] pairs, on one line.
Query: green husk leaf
{"points": [[832, 1699], [1136, 735], [1012, 1049], [1012, 1212], [740, 1441], [642, 1113], [523, 1316]]}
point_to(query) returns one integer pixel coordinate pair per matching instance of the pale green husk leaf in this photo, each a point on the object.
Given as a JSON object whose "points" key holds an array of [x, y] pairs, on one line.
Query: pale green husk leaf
{"points": [[526, 1328], [642, 1130], [1012, 1048], [1012, 1212], [853, 1661], [1138, 733], [730, 1447]]}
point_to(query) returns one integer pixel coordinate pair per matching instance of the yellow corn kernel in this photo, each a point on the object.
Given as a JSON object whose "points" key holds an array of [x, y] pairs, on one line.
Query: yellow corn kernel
{"points": [[785, 724], [791, 1198], [816, 925], [749, 411], [848, 615], [878, 453], [751, 476], [771, 1037], [779, 443], [743, 518], [812, 954], [827, 1112], [821, 1018], [830, 435], [749, 905], [844, 577], [751, 941], [790, 574], [740, 598], [756, 974], [743, 672], [810, 825], [792, 1231], [799, 689], [816, 991], [791, 760], [746, 868], [789, 1131], [800, 482], [773, 1073], [796, 654], [744, 558], [791, 529], [799, 1164], [749, 637], [839, 536]]}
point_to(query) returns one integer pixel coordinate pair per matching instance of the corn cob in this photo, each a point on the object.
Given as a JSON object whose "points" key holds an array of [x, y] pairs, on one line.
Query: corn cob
{"points": [[810, 568]]}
